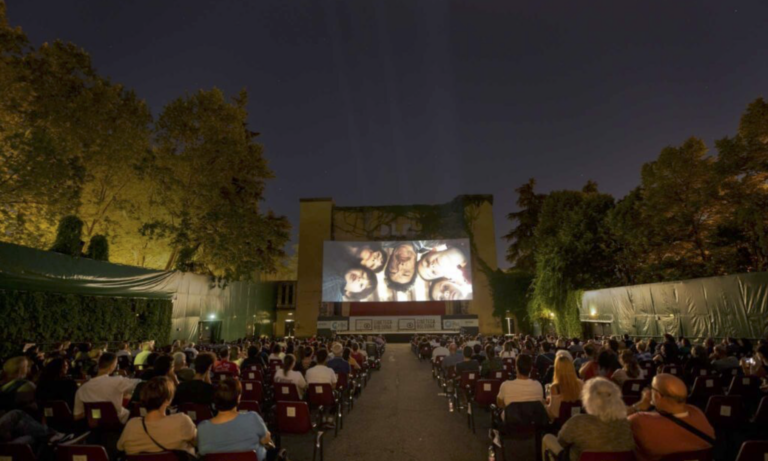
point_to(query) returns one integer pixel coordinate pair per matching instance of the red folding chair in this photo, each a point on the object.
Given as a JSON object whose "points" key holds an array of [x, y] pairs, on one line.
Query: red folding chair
{"points": [[222, 375], [344, 387], [102, 416], [197, 412], [568, 409], [726, 411], [251, 374], [17, 452], [321, 397], [500, 375], [81, 452], [607, 456], [161, 456], [633, 387], [676, 370], [704, 387], [253, 390], [468, 381], [240, 456], [58, 415], [753, 450], [293, 418], [698, 455], [485, 393], [746, 386], [250, 405], [761, 415], [286, 392]]}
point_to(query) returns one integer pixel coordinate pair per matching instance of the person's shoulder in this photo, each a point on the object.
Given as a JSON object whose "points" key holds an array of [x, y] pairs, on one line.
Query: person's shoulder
{"points": [[181, 419]]}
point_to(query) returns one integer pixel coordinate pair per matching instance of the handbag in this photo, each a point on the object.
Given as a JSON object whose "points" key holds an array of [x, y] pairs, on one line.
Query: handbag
{"points": [[181, 455]]}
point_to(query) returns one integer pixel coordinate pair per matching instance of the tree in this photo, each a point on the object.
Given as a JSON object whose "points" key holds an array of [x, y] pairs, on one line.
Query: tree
{"points": [[98, 248], [211, 175], [521, 251], [69, 237], [681, 208]]}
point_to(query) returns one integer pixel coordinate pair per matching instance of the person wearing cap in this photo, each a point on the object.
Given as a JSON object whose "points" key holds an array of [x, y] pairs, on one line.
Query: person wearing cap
{"points": [[337, 363]]}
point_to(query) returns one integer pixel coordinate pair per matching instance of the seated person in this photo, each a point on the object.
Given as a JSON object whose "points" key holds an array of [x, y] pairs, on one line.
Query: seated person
{"points": [[17, 392], [320, 373], [158, 431], [17, 426], [105, 388], [491, 364], [55, 384], [357, 354], [224, 365], [469, 363], [163, 366], [523, 388], [440, 350], [180, 368], [288, 375], [566, 386], [254, 358], [722, 361], [230, 431], [603, 428], [655, 433], [338, 364], [141, 357], [758, 365], [199, 390], [546, 359]]}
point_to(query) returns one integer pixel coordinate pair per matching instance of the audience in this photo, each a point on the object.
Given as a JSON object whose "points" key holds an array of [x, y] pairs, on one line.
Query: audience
{"points": [[566, 386], [158, 431], [320, 373], [180, 369], [603, 428], [199, 390], [288, 375], [339, 364], [105, 388], [254, 358], [491, 363], [469, 364], [224, 365], [523, 388], [17, 392], [55, 384], [723, 360]]}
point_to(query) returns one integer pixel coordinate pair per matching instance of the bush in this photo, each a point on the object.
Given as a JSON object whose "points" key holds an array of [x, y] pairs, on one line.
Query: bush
{"points": [[45, 318], [98, 249], [68, 236]]}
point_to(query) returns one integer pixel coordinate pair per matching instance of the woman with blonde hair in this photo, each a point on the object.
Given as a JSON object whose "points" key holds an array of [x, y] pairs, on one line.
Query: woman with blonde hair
{"points": [[566, 386]]}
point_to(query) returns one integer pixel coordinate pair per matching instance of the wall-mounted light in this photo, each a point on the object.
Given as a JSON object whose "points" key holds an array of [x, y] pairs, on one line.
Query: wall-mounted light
{"points": [[290, 314], [592, 312], [212, 317]]}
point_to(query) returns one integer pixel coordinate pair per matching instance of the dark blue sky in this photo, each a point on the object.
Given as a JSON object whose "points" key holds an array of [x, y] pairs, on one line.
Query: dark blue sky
{"points": [[398, 102]]}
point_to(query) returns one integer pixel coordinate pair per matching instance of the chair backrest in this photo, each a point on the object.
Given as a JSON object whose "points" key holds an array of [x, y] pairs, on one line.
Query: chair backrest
{"points": [[500, 375], [102, 415], [286, 392], [469, 378], [439, 360], [672, 370], [17, 452], [450, 372], [162, 456], [342, 381], [274, 363], [753, 450], [249, 405], [197, 412], [81, 453], [57, 413], [607, 456], [633, 387], [568, 409], [251, 374], [239, 456], [222, 375], [761, 415], [321, 394], [253, 390], [293, 417], [486, 391], [725, 411], [698, 455], [745, 386], [705, 386]]}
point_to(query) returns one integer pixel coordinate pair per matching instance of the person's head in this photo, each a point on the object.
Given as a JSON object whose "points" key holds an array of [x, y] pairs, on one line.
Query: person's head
{"points": [[608, 361], [575, 341], [590, 350], [721, 352], [163, 365], [227, 395], [55, 369], [468, 352], [337, 350], [565, 378], [289, 361], [360, 282], [478, 349], [546, 347], [322, 356], [401, 268], [179, 360], [203, 363], [490, 352], [524, 364], [699, 352], [641, 346], [253, 352], [223, 353], [276, 349], [346, 354], [439, 264], [16, 367], [452, 348], [355, 347], [614, 345], [445, 290], [668, 393], [374, 257], [234, 353], [564, 353], [157, 393], [602, 398], [107, 363], [761, 354], [668, 338]]}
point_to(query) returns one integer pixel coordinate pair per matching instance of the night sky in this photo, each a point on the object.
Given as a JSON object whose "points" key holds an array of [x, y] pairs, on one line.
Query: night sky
{"points": [[399, 102]]}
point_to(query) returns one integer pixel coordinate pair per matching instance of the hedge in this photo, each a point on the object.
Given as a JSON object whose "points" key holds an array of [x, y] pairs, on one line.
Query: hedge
{"points": [[43, 317]]}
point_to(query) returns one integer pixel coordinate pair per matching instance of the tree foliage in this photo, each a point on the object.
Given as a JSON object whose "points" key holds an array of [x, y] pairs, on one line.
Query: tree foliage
{"points": [[69, 236], [521, 250]]}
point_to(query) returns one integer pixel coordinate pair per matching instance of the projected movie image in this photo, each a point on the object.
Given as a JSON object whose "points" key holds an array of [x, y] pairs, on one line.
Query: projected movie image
{"points": [[418, 270]]}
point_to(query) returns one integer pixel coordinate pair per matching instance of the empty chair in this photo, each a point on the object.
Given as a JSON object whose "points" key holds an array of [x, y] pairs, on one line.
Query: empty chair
{"points": [[703, 388], [746, 386], [253, 390], [726, 411], [323, 397], [16, 452], [102, 416], [81, 453], [293, 418], [196, 412], [240, 456], [607, 456], [485, 393], [699, 455], [753, 450]]}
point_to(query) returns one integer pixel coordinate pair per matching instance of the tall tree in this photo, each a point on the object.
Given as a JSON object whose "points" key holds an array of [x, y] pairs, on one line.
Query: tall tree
{"points": [[212, 175], [521, 251]]}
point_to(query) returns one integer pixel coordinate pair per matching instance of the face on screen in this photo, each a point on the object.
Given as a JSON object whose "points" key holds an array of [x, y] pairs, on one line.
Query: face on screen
{"points": [[446, 263], [372, 259], [402, 264], [357, 280], [445, 290]]}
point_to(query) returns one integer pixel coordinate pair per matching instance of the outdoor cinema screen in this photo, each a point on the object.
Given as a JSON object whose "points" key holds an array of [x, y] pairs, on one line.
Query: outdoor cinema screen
{"points": [[418, 270]]}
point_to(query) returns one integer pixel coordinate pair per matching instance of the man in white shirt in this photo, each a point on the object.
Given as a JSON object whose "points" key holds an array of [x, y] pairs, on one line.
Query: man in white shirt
{"points": [[320, 373], [105, 388], [440, 351], [522, 389]]}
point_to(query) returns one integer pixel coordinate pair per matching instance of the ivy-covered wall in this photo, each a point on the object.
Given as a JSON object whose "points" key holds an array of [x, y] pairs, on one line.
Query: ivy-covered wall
{"points": [[43, 317]]}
